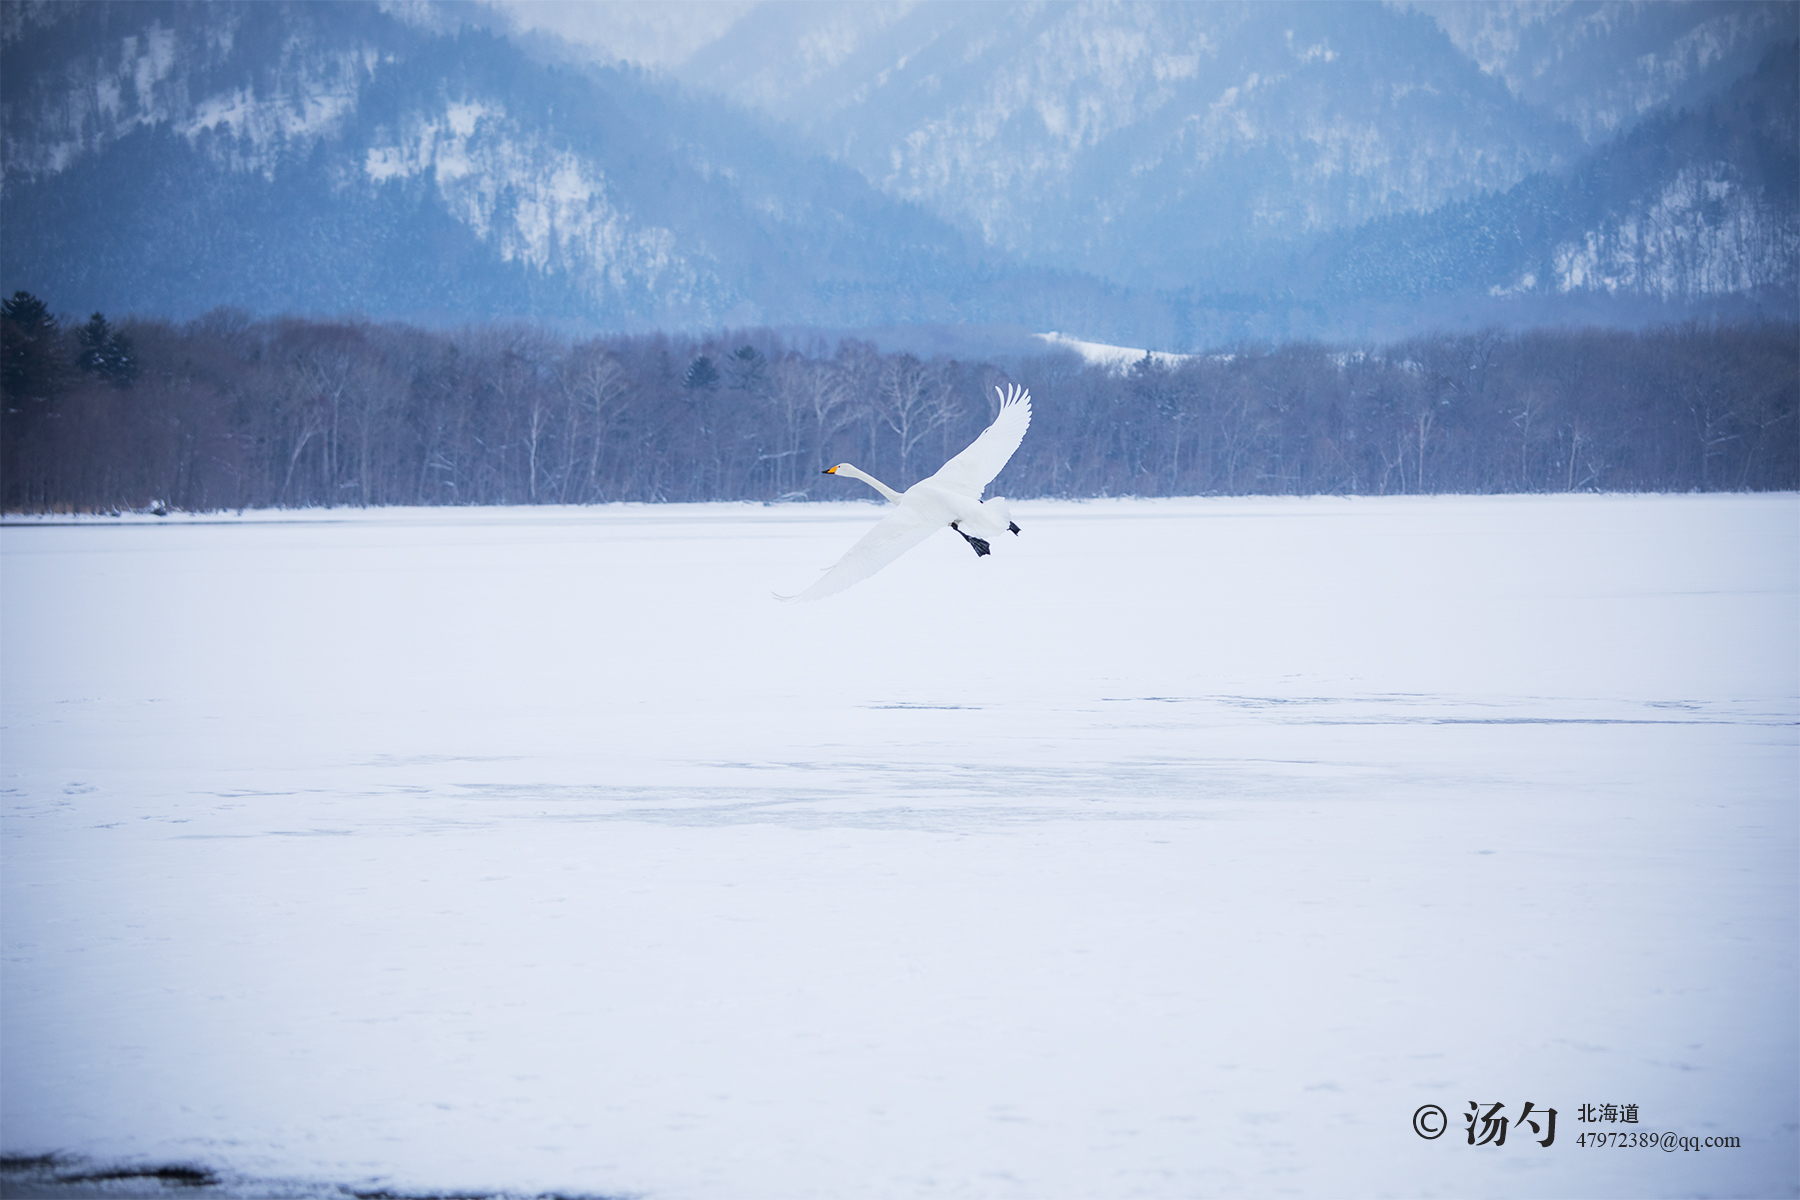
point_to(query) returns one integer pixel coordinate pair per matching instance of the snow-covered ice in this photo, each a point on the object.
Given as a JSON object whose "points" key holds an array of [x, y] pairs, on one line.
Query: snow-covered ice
{"points": [[1180, 848]]}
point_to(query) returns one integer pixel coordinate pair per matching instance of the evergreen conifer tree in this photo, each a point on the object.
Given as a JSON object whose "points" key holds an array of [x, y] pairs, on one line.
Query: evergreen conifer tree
{"points": [[29, 362], [106, 352], [747, 369], [701, 374]]}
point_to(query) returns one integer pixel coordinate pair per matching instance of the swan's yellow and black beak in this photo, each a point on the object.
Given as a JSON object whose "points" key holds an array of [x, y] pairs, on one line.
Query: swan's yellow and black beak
{"points": [[829, 471]]}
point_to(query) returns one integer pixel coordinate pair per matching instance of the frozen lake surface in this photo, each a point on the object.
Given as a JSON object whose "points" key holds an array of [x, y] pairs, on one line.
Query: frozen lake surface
{"points": [[1180, 848]]}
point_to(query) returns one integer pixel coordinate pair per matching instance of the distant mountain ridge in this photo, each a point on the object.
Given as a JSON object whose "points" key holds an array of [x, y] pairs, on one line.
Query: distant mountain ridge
{"points": [[1129, 140], [1602, 65], [1165, 175], [1685, 208], [172, 157]]}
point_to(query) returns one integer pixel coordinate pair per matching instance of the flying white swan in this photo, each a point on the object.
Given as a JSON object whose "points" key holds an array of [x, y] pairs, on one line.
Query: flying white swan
{"points": [[951, 497]]}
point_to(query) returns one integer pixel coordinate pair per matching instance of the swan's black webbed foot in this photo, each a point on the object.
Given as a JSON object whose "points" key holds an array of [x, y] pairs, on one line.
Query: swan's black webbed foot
{"points": [[980, 544], [1013, 528]]}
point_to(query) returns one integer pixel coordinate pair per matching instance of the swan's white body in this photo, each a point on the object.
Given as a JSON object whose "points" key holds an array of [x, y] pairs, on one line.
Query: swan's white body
{"points": [[951, 498]]}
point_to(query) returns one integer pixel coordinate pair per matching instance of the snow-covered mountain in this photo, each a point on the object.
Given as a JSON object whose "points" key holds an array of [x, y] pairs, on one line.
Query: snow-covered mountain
{"points": [[1164, 174], [1690, 208], [1130, 140], [331, 157], [1134, 140], [1602, 65]]}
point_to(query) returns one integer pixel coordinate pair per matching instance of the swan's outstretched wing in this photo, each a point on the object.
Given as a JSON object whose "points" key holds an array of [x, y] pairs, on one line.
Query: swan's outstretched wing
{"points": [[972, 470], [898, 532]]}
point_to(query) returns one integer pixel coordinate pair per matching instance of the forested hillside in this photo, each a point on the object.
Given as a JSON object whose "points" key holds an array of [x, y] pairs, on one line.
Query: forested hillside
{"points": [[1691, 205], [170, 158], [227, 412], [1178, 176]]}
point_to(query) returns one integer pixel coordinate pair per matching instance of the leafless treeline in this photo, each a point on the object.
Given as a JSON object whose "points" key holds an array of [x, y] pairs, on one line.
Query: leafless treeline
{"points": [[227, 412]]}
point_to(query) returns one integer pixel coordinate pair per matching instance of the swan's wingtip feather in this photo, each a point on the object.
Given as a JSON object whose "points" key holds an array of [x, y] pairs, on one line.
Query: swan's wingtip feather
{"points": [[1013, 397]]}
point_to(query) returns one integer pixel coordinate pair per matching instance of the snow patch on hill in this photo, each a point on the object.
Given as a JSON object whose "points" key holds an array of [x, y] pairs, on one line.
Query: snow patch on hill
{"points": [[1102, 354]]}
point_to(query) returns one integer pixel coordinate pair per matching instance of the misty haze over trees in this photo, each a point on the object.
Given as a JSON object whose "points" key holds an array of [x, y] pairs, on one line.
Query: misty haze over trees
{"points": [[229, 412]]}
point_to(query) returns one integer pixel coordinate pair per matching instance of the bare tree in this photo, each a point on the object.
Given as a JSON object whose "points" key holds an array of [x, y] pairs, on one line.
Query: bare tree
{"points": [[228, 411], [914, 401]]}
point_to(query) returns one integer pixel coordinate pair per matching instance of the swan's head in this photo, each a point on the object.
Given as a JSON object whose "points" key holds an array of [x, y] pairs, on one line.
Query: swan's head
{"points": [[834, 470]]}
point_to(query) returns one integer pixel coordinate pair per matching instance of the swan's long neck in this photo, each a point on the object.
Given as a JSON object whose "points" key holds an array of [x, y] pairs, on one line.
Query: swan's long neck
{"points": [[869, 479]]}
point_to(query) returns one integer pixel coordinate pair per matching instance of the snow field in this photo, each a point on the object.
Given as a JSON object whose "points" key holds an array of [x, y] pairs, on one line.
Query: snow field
{"points": [[1179, 848]]}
